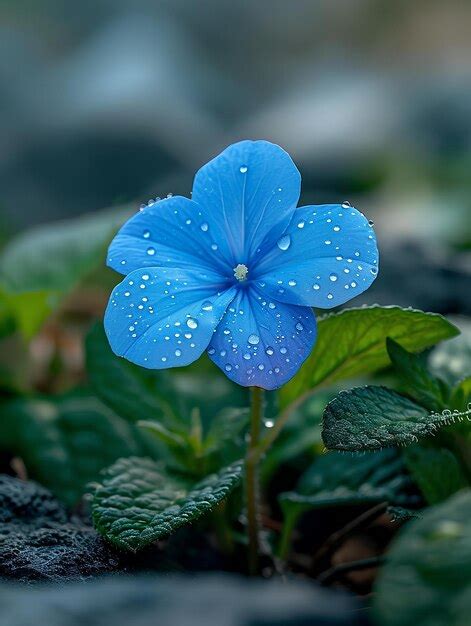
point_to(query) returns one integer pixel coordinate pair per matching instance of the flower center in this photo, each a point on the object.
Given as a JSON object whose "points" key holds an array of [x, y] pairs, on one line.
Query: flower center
{"points": [[241, 271]]}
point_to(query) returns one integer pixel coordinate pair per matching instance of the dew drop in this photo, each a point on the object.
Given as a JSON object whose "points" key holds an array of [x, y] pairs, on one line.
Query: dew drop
{"points": [[228, 367], [299, 326], [269, 423], [371, 223], [333, 277], [329, 296], [292, 283], [191, 323], [178, 352], [207, 306], [127, 293], [243, 169], [254, 340], [269, 351], [151, 251], [146, 234], [204, 227], [283, 350], [316, 286], [336, 229], [284, 242], [346, 204], [374, 270], [300, 224]]}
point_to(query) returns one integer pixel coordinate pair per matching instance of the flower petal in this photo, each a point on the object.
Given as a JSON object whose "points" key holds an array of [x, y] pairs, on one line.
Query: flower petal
{"points": [[249, 193], [260, 342], [169, 233], [327, 256], [161, 317]]}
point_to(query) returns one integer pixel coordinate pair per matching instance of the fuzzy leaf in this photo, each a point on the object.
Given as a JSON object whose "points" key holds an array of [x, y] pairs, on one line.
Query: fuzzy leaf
{"points": [[426, 579], [136, 503], [65, 442], [370, 418], [353, 342], [436, 471]]}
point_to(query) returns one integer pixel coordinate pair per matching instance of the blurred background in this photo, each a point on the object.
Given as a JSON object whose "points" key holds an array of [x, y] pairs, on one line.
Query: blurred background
{"points": [[105, 102]]}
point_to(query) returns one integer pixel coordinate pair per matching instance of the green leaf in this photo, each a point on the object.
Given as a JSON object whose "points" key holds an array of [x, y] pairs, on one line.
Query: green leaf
{"points": [[426, 578], [199, 409], [461, 395], [55, 256], [337, 478], [65, 442], [166, 396], [370, 418], [133, 392], [136, 503], [436, 471], [452, 360], [353, 343], [418, 382], [343, 479]]}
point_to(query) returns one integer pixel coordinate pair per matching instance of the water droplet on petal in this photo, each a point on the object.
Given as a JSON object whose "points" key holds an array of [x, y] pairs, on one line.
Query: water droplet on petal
{"points": [[151, 251], [316, 286], [191, 323], [269, 351], [299, 326], [146, 234], [254, 340], [204, 227], [346, 204], [207, 306], [178, 352], [300, 224], [284, 242], [243, 169], [333, 277], [292, 283], [371, 223], [228, 367], [374, 270], [329, 296]]}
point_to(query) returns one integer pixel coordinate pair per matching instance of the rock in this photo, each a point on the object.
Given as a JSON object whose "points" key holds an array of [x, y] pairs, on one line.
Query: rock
{"points": [[204, 600], [38, 541]]}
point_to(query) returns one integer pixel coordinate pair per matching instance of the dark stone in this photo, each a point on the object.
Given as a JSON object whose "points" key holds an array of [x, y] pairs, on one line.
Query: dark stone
{"points": [[204, 600], [39, 542]]}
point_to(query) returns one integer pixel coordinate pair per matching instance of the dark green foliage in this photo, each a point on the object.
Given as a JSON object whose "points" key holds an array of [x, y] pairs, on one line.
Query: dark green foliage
{"points": [[137, 503]]}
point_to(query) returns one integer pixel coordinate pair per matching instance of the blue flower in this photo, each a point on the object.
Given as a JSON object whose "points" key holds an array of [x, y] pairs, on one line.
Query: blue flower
{"points": [[236, 270]]}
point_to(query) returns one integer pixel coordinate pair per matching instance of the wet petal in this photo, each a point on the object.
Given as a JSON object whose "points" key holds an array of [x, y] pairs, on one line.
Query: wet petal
{"points": [[327, 256], [169, 233], [249, 193], [260, 342], [164, 317]]}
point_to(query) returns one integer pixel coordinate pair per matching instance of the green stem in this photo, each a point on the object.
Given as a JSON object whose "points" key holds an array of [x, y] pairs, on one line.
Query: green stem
{"points": [[252, 480], [280, 423]]}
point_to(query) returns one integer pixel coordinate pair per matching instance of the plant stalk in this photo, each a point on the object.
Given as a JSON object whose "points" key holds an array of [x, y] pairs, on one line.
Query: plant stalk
{"points": [[252, 491]]}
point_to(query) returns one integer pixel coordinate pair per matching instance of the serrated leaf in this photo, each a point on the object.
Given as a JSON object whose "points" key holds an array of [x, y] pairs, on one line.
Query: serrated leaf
{"points": [[418, 382], [370, 418], [427, 575], [136, 503], [65, 442], [436, 470], [353, 343]]}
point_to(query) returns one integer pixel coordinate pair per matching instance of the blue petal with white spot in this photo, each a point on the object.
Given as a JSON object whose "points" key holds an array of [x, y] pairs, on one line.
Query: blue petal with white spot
{"points": [[160, 317], [262, 342], [250, 192], [327, 256]]}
